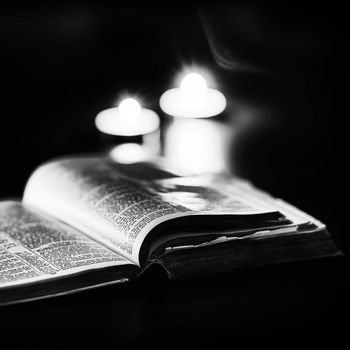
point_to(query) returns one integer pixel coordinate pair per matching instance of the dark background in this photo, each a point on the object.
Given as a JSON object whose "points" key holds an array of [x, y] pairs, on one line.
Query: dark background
{"points": [[285, 72]]}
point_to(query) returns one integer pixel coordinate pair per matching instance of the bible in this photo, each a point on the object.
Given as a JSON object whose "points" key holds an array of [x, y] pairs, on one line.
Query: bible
{"points": [[85, 222]]}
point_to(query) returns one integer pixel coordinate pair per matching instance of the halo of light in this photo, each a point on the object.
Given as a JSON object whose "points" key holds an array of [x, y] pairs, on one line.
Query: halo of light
{"points": [[173, 103], [114, 122]]}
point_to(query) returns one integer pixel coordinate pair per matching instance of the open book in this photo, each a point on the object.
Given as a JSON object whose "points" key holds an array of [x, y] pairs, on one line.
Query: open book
{"points": [[87, 222]]}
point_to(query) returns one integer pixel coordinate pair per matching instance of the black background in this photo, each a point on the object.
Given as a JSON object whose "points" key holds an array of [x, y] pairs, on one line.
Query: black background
{"points": [[287, 83]]}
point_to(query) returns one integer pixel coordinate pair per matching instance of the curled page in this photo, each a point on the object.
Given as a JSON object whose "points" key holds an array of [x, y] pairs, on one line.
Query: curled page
{"points": [[97, 197]]}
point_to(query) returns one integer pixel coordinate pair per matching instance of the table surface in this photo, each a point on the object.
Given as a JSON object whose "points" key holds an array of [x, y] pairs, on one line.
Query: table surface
{"points": [[291, 302]]}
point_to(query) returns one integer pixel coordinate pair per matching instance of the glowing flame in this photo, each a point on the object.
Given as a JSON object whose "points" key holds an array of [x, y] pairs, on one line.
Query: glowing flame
{"points": [[193, 85], [193, 98], [129, 111]]}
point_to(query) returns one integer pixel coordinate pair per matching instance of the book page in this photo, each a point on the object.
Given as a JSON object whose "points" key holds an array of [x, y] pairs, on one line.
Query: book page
{"points": [[225, 194], [95, 196], [34, 247], [209, 194]]}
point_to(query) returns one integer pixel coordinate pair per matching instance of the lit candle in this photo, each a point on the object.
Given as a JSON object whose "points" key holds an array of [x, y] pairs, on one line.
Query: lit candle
{"points": [[191, 140], [128, 119], [134, 129], [193, 99]]}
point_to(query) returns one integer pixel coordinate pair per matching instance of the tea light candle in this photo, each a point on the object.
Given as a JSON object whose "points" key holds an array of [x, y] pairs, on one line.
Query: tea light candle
{"points": [[132, 131], [193, 99], [193, 140], [128, 119]]}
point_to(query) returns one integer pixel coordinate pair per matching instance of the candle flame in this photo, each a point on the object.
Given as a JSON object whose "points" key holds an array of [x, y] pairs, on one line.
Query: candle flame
{"points": [[129, 110], [193, 85]]}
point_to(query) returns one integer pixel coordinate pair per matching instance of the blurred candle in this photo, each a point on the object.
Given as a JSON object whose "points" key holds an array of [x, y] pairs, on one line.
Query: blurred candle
{"points": [[128, 119], [193, 139], [127, 153], [193, 99], [133, 131]]}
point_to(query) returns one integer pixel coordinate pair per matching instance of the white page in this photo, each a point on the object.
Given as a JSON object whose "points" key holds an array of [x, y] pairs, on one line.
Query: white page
{"points": [[93, 195], [34, 248]]}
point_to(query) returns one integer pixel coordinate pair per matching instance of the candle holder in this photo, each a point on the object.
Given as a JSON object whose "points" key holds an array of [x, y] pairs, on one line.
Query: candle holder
{"points": [[130, 133]]}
